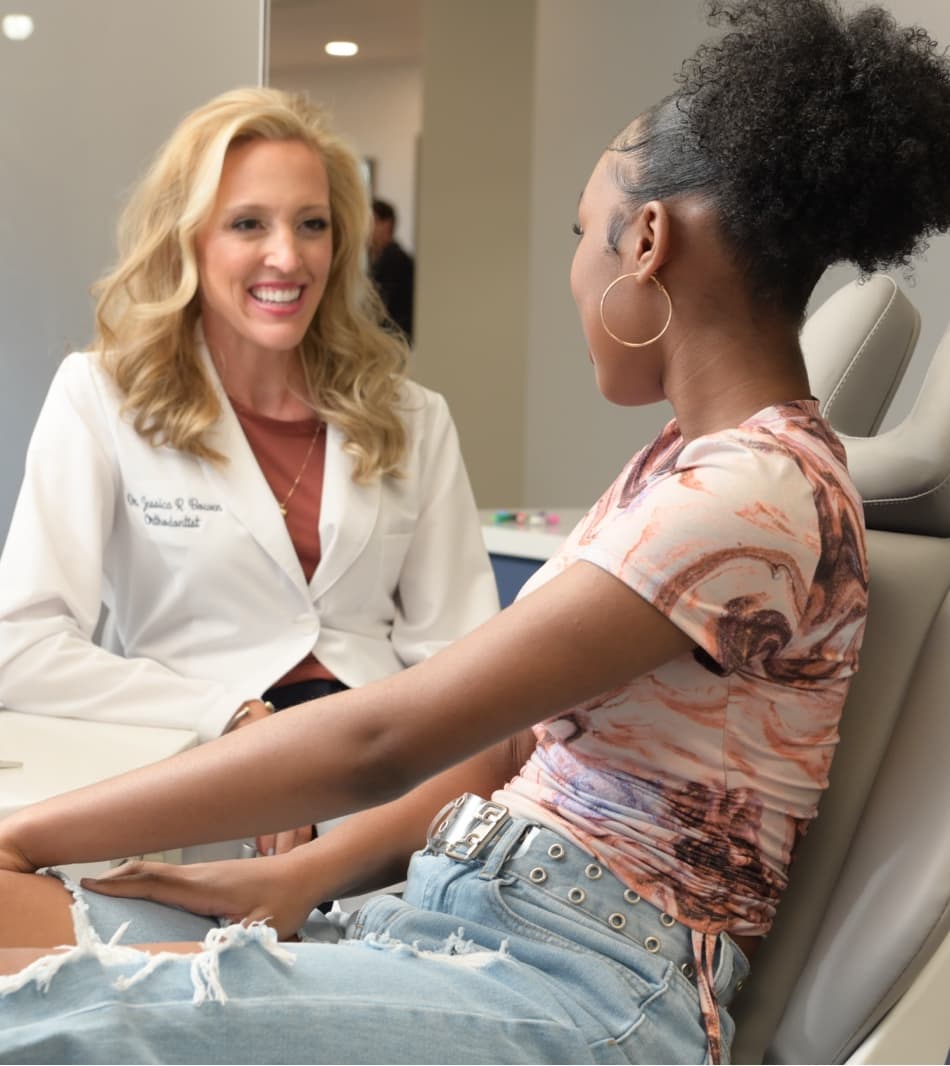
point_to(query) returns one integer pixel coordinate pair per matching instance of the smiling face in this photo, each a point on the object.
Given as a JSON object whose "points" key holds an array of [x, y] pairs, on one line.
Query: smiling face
{"points": [[265, 250], [605, 250]]}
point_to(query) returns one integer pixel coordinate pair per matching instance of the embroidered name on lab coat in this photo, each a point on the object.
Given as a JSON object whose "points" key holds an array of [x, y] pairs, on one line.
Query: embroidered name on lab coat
{"points": [[178, 512]]}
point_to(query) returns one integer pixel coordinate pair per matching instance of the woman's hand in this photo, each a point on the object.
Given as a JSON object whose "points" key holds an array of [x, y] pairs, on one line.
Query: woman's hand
{"points": [[281, 843], [240, 890]]}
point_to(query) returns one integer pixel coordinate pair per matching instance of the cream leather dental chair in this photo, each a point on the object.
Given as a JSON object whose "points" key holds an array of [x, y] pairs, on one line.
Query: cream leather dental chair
{"points": [[857, 967], [857, 345]]}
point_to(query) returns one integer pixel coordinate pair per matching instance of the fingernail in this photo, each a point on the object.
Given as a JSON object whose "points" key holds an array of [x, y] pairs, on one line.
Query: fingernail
{"points": [[270, 851]]}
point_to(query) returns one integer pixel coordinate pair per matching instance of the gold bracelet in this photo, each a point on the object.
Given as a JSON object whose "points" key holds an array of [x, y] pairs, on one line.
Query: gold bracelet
{"points": [[243, 711]]}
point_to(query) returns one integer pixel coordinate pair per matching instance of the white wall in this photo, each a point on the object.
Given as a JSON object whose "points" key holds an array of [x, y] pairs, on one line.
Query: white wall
{"points": [[474, 238], [378, 109], [86, 102]]}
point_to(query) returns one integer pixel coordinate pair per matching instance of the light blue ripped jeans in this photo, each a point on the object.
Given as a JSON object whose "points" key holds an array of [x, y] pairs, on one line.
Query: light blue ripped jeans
{"points": [[481, 961]]}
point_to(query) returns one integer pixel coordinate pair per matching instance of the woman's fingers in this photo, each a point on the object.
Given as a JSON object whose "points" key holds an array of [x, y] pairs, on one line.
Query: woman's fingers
{"points": [[236, 889], [286, 840], [292, 838], [160, 882], [267, 844]]}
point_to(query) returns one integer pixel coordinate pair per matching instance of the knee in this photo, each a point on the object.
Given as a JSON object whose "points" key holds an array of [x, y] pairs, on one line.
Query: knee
{"points": [[35, 911]]}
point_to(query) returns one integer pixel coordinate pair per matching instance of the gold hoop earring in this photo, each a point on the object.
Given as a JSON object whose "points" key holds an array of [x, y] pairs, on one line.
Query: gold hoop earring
{"points": [[636, 344]]}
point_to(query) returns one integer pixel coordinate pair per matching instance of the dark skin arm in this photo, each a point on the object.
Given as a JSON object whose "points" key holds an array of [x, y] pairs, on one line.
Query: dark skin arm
{"points": [[583, 633], [369, 851]]}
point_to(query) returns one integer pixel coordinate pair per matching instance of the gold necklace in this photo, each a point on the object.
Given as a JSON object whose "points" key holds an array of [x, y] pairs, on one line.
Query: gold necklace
{"points": [[282, 504]]}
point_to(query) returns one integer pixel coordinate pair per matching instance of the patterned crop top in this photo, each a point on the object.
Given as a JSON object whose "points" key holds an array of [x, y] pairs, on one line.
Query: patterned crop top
{"points": [[693, 782]]}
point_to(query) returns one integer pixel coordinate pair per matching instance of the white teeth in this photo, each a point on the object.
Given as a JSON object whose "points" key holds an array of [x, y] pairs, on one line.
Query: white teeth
{"points": [[276, 296]]}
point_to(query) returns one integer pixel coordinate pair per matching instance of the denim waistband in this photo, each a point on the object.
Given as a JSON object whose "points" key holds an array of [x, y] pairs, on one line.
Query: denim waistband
{"points": [[473, 829]]}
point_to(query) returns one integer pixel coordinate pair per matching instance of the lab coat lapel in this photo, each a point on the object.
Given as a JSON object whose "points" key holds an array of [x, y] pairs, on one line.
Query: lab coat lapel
{"points": [[243, 489], [348, 515]]}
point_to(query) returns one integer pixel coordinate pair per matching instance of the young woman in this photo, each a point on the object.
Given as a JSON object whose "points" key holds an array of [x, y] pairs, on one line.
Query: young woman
{"points": [[618, 765], [238, 470]]}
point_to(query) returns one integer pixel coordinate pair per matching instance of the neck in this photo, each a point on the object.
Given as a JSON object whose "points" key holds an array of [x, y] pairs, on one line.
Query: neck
{"points": [[727, 354], [269, 383], [714, 383]]}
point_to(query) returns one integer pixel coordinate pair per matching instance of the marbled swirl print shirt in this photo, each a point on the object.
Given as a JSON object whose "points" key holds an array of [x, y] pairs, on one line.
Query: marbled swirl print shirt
{"points": [[692, 783]]}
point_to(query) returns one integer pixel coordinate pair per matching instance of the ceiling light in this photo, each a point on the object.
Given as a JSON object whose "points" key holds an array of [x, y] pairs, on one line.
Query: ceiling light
{"points": [[17, 27], [341, 48]]}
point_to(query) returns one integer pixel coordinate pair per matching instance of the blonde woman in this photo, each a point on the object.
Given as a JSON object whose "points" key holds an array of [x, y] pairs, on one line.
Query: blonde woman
{"points": [[238, 470]]}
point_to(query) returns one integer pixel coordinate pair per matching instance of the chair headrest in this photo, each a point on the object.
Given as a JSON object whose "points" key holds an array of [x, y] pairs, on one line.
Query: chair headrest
{"points": [[857, 345], [904, 474]]}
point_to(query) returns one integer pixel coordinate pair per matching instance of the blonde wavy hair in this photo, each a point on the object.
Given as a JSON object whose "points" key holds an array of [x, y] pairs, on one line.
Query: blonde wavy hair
{"points": [[148, 307]]}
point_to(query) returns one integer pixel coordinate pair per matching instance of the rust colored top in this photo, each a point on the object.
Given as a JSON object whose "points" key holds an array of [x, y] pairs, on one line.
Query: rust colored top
{"points": [[283, 451]]}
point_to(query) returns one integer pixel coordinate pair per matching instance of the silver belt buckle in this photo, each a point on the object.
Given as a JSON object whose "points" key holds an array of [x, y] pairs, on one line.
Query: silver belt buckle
{"points": [[465, 826]]}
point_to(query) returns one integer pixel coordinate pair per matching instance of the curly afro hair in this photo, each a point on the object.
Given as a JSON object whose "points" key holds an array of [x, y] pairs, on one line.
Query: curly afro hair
{"points": [[820, 137]]}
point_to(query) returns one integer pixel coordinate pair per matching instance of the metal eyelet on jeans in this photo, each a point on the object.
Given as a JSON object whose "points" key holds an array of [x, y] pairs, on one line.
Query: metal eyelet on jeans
{"points": [[539, 875], [667, 919], [556, 851], [688, 969], [652, 944], [576, 895], [593, 871], [630, 896], [616, 920]]}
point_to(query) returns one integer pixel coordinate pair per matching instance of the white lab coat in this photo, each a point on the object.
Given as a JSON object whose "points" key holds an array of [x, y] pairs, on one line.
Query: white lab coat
{"points": [[207, 602]]}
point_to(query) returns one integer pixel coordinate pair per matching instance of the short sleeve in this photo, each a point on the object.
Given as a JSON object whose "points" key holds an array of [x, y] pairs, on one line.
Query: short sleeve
{"points": [[725, 545]]}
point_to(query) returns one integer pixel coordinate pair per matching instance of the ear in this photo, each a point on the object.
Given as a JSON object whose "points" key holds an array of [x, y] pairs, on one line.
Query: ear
{"points": [[645, 246]]}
